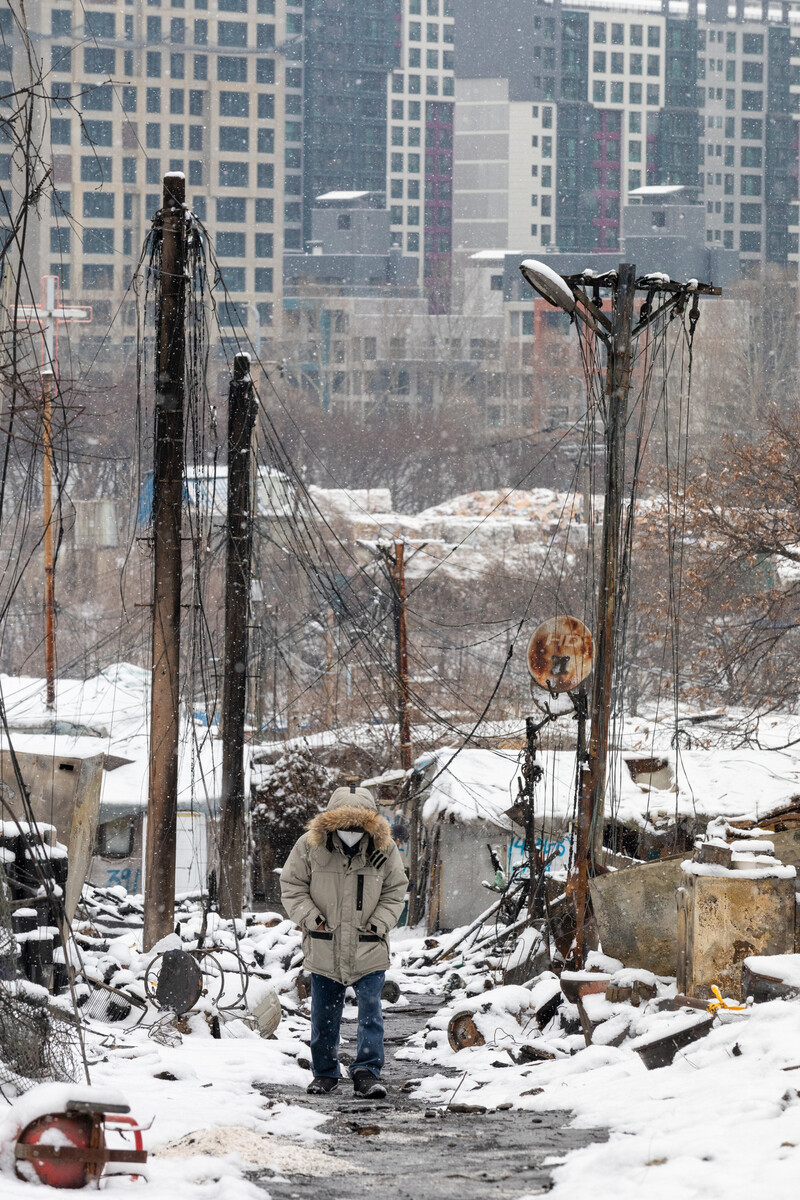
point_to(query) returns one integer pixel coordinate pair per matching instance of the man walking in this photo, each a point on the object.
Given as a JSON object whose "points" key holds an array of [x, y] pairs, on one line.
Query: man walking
{"points": [[344, 885]]}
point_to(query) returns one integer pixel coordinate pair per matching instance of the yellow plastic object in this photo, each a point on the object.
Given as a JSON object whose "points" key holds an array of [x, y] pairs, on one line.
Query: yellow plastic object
{"points": [[720, 1003]]}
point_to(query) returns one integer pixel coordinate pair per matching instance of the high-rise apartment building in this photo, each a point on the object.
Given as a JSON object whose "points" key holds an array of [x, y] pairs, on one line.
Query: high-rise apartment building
{"points": [[139, 89], [573, 106]]}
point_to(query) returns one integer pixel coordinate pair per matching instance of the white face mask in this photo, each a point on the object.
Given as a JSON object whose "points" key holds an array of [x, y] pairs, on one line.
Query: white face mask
{"points": [[350, 836]]}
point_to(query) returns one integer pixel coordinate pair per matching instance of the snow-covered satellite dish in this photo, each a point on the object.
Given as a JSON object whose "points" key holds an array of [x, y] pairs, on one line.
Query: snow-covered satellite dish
{"points": [[548, 283], [560, 654]]}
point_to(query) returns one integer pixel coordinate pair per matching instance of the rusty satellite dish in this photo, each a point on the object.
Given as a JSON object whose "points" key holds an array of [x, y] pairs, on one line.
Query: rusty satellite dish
{"points": [[560, 654]]}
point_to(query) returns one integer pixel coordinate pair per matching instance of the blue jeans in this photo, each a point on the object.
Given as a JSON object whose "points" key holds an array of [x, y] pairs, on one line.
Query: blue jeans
{"points": [[327, 1002]]}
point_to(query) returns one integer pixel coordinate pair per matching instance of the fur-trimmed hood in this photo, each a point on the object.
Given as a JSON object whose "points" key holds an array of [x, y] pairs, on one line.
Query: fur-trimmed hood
{"points": [[347, 811]]}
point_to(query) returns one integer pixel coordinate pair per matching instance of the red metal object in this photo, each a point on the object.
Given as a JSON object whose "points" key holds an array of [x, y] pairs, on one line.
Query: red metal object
{"points": [[68, 1149], [560, 654]]}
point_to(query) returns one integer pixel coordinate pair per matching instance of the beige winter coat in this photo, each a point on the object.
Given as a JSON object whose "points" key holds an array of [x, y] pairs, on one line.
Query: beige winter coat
{"points": [[360, 898]]}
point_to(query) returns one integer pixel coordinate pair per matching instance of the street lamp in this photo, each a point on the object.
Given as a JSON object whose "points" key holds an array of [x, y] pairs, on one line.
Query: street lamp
{"points": [[662, 296], [550, 286]]}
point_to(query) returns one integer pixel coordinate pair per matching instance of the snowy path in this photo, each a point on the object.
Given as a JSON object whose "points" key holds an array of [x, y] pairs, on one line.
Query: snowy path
{"points": [[410, 1155]]}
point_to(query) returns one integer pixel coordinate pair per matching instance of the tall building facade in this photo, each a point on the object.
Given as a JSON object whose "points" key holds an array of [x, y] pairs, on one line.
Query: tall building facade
{"points": [[576, 105], [141, 89]]}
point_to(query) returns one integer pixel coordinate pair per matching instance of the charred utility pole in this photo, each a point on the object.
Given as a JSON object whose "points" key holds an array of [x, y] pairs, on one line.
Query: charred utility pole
{"points": [[241, 420], [662, 298], [168, 472], [396, 566], [49, 558]]}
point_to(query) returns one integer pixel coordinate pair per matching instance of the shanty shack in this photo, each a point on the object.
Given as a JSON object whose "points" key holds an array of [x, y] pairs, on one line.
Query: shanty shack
{"points": [[658, 801]]}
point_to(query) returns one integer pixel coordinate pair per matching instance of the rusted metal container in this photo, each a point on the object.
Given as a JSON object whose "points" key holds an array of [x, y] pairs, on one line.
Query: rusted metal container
{"points": [[724, 916]]}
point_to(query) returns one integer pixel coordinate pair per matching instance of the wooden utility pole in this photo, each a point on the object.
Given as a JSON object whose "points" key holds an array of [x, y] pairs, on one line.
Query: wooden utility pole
{"points": [[401, 653], [46, 318], [168, 472], [593, 774], [241, 420], [397, 573], [49, 559]]}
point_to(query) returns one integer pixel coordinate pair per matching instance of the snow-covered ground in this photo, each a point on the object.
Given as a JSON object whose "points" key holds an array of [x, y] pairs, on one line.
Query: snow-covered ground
{"points": [[722, 1121]]}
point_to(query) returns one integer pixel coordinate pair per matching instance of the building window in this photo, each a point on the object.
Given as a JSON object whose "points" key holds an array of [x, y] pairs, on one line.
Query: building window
{"points": [[750, 242], [232, 33], [727, 215], [176, 137], [152, 135], [128, 171], [265, 211], [233, 279], [635, 93], [264, 245], [98, 205], [97, 99], [96, 133], [61, 22], [230, 245], [60, 58], [96, 169], [231, 70], [98, 62], [231, 209], [750, 214], [600, 32], [653, 35], [98, 241], [265, 37], [129, 99], [234, 104], [60, 129], [200, 66], [177, 66], [196, 103], [653, 91], [599, 62], [266, 106], [196, 175], [201, 33], [599, 91], [234, 139], [263, 280], [752, 101], [266, 176], [153, 100], [60, 239], [98, 276], [153, 64], [153, 170]]}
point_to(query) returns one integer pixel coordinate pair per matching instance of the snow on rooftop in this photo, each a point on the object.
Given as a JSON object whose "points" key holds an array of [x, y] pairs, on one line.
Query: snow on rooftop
{"points": [[114, 706], [476, 785], [343, 195], [653, 189]]}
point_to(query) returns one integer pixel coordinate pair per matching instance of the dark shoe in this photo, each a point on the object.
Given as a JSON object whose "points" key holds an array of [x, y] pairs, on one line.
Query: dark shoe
{"points": [[322, 1084], [365, 1084]]}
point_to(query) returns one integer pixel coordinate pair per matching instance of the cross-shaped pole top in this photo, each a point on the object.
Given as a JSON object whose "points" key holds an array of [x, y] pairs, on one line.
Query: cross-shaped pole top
{"points": [[48, 316]]}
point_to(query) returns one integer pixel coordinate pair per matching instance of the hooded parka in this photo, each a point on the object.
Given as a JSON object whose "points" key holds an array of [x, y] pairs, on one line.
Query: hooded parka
{"points": [[359, 898]]}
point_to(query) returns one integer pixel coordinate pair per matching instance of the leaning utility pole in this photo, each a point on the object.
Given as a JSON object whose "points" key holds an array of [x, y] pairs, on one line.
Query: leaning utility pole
{"points": [[241, 420], [663, 298], [168, 472]]}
